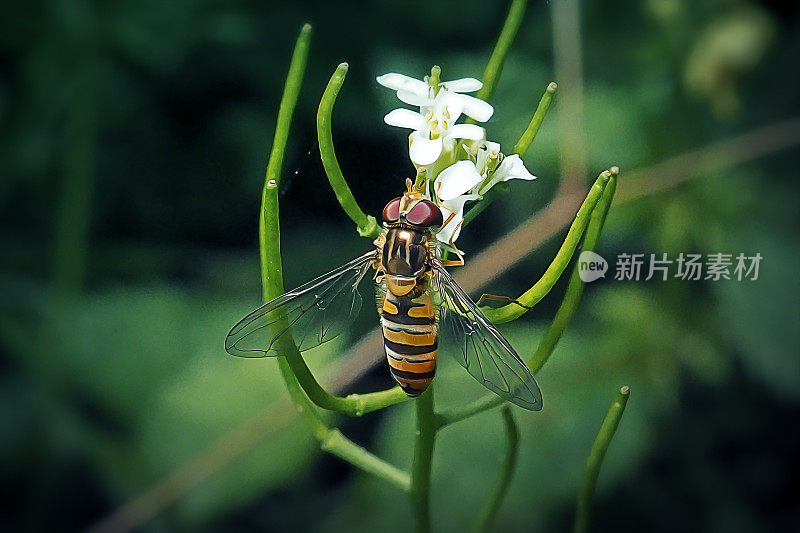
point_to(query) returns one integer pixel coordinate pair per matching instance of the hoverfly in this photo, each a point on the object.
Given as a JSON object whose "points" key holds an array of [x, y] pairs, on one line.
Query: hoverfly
{"points": [[418, 302]]}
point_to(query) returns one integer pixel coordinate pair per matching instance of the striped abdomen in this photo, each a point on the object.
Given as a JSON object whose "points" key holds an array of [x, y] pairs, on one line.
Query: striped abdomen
{"points": [[409, 338]]}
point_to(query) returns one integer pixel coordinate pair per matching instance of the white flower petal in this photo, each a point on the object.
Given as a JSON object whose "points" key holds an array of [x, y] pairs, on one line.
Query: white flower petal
{"points": [[466, 131], [445, 234], [424, 151], [414, 98], [491, 183], [448, 106], [512, 168], [405, 118], [455, 180], [399, 82], [492, 148], [476, 108], [463, 85], [455, 207]]}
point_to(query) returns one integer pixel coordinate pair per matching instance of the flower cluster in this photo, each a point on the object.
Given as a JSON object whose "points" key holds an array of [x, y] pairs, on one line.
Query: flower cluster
{"points": [[456, 158]]}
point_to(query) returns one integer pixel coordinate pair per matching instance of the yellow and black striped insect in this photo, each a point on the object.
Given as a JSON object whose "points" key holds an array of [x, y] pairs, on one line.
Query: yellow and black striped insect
{"points": [[419, 305]]}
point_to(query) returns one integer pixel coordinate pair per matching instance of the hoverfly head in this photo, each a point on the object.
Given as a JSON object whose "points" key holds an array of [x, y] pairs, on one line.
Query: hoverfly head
{"points": [[412, 209]]}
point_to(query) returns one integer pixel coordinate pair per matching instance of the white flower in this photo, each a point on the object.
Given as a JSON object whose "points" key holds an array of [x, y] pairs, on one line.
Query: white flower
{"points": [[435, 128], [434, 137], [511, 168], [468, 180], [456, 180], [451, 186], [420, 93]]}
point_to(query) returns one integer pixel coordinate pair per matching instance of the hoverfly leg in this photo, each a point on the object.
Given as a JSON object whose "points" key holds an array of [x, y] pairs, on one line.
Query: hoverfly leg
{"points": [[455, 262], [508, 299], [376, 264], [459, 254]]}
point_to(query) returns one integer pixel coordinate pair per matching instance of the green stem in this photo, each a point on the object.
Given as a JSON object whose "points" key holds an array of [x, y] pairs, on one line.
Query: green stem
{"points": [[494, 193], [520, 148], [572, 295], [458, 414], [495, 65], [269, 234], [435, 79], [334, 442], [353, 404], [583, 511], [74, 207], [331, 440], [304, 408], [339, 445], [492, 506], [491, 75], [271, 270], [527, 138], [421, 466], [366, 225], [533, 295]]}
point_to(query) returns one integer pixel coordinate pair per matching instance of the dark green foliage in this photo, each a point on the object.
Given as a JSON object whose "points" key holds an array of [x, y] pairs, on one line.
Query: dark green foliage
{"points": [[153, 119]]}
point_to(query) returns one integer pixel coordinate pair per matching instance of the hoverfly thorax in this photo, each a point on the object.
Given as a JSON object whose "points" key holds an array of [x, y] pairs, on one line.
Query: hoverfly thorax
{"points": [[410, 221]]}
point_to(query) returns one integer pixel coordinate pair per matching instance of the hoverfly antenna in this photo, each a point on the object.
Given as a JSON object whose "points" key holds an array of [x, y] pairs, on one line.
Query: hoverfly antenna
{"points": [[409, 184]]}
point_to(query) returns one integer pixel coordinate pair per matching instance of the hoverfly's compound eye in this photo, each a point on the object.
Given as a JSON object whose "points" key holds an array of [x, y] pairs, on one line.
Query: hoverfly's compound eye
{"points": [[391, 213], [425, 214]]}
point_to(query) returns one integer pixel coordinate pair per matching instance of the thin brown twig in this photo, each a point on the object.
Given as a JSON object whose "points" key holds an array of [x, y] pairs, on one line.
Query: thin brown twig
{"points": [[496, 259], [721, 155], [668, 174], [189, 475]]}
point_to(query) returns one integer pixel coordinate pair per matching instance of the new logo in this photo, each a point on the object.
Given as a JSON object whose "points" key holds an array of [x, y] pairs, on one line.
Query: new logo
{"points": [[591, 266]]}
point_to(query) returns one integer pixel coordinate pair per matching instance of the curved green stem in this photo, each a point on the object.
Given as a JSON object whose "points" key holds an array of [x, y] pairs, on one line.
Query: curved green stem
{"points": [[491, 75], [572, 296], [533, 295], [342, 447], [527, 138], [366, 225], [520, 148], [494, 193], [272, 274], [268, 224], [495, 65], [421, 466], [334, 442], [353, 404], [564, 314], [583, 511], [290, 360], [492, 506], [480, 405]]}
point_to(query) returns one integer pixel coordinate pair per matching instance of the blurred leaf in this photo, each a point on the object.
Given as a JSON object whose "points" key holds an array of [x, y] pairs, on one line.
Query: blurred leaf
{"points": [[728, 48], [759, 317]]}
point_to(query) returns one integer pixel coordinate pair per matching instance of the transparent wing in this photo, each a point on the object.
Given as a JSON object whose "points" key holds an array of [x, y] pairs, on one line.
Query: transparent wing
{"points": [[313, 314], [483, 350]]}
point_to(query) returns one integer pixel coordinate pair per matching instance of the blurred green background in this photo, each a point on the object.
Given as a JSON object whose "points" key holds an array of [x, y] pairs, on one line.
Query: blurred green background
{"points": [[134, 140]]}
